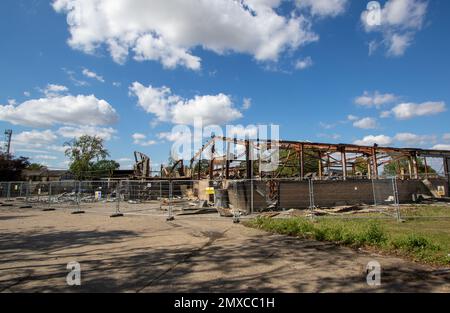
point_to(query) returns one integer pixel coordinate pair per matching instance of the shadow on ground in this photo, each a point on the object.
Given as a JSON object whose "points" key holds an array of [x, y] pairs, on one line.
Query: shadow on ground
{"points": [[215, 261]]}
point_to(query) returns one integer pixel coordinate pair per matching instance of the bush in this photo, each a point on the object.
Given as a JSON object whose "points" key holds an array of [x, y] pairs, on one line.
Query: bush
{"points": [[374, 235], [356, 234], [415, 242]]}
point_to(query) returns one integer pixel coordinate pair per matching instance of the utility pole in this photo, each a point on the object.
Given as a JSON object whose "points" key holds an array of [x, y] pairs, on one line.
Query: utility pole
{"points": [[8, 135]]}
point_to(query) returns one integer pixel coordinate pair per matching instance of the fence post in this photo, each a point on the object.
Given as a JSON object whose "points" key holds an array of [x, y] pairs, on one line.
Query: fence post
{"points": [[78, 210], [396, 198], [251, 196], [27, 193], [8, 193], [311, 197], [118, 196], [170, 215], [49, 195], [49, 207], [374, 193]]}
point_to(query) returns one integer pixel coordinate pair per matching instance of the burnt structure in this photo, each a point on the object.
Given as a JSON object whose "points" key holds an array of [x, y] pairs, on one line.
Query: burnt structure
{"points": [[342, 174], [142, 167], [333, 160]]}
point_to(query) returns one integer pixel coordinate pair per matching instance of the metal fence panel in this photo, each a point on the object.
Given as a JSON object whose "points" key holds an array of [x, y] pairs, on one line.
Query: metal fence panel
{"points": [[354, 196]]}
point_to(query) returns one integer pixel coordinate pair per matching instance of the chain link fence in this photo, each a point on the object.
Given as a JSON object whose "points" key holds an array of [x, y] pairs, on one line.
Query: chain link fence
{"points": [[353, 197]]}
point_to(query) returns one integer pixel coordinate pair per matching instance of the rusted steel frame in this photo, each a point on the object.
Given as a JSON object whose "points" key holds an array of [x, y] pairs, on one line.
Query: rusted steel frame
{"points": [[355, 157], [350, 148], [369, 167], [320, 164], [374, 162], [227, 165], [284, 164], [248, 162], [426, 166], [301, 156], [199, 153], [410, 168], [344, 163], [333, 148], [446, 169], [393, 159], [416, 166], [211, 162]]}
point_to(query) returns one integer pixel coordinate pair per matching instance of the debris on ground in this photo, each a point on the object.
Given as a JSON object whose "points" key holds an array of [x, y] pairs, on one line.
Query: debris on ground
{"points": [[195, 211], [334, 211]]}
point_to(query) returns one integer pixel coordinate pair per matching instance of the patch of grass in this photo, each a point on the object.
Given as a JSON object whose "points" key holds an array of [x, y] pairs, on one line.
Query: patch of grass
{"points": [[414, 243], [426, 241]]}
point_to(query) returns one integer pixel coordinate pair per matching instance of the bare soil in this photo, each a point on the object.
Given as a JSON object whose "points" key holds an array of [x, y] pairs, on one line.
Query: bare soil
{"points": [[141, 252]]}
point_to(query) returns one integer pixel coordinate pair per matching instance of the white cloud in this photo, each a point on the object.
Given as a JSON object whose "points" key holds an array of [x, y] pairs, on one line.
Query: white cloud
{"points": [[117, 84], [352, 117], [446, 137], [241, 132], [26, 93], [212, 109], [324, 7], [69, 110], [173, 136], [105, 133], [34, 137], [441, 147], [71, 74], [246, 104], [366, 123], [400, 20], [138, 136], [385, 114], [125, 163], [141, 140], [36, 141], [381, 140], [93, 75], [45, 157], [398, 44], [168, 30], [405, 111], [413, 139], [53, 90], [303, 64], [327, 125], [157, 49], [375, 99]]}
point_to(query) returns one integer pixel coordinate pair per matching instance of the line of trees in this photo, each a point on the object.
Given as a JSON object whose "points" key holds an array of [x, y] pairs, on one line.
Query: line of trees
{"points": [[88, 160]]}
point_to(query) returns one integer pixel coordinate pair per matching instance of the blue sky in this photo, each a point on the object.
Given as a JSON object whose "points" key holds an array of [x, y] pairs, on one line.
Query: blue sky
{"points": [[318, 71]]}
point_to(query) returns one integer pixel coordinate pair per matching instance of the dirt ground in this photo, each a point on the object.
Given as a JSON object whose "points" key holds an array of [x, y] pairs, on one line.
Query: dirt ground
{"points": [[141, 252]]}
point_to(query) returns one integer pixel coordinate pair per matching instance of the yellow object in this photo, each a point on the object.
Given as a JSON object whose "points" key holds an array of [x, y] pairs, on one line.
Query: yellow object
{"points": [[209, 190]]}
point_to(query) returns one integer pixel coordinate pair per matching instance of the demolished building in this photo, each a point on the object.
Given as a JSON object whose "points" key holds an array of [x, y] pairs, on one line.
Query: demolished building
{"points": [[342, 174]]}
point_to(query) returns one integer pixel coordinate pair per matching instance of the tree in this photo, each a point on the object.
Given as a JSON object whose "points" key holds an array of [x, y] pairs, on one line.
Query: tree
{"points": [[291, 167], [82, 152], [393, 168], [11, 168], [35, 166], [104, 167], [361, 166]]}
